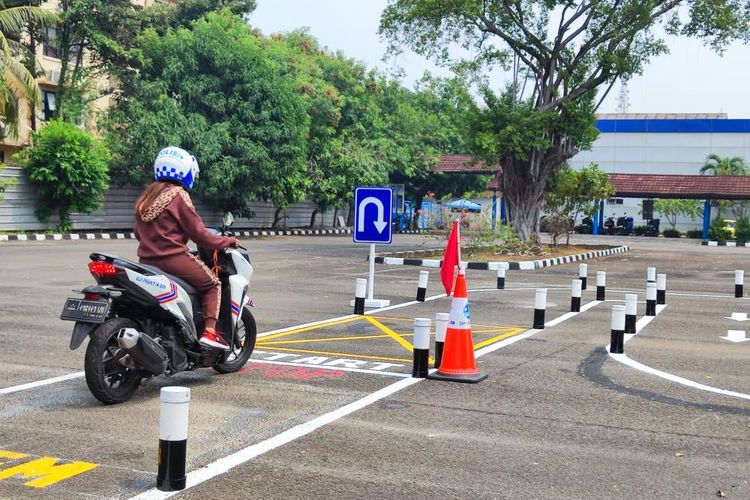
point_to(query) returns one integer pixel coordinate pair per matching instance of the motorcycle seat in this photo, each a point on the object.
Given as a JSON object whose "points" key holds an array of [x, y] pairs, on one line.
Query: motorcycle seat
{"points": [[148, 270]]}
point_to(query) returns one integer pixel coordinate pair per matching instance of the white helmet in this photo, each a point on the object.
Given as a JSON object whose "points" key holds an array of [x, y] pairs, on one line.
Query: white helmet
{"points": [[176, 164]]}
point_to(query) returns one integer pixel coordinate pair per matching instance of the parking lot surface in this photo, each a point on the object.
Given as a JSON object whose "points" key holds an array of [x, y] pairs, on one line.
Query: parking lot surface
{"points": [[326, 407]]}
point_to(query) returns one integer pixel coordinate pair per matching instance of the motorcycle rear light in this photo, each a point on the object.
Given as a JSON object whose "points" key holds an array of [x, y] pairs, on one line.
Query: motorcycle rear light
{"points": [[91, 296], [100, 269]]}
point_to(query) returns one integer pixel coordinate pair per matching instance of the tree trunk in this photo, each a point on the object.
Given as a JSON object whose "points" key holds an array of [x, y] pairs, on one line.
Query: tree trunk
{"points": [[312, 218], [276, 218], [524, 196], [335, 215], [350, 215]]}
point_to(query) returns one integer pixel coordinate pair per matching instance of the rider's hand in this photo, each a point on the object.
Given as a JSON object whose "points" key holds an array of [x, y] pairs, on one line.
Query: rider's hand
{"points": [[234, 242]]}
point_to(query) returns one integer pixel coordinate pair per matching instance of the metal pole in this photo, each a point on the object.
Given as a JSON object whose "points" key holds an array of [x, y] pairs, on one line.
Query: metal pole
{"points": [[371, 280]]}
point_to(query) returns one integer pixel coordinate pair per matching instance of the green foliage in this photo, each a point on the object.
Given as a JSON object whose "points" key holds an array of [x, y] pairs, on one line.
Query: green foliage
{"points": [[69, 168], [501, 241], [671, 233], [718, 231], [742, 229], [4, 183], [694, 233], [640, 230], [721, 165], [671, 209], [214, 90]]}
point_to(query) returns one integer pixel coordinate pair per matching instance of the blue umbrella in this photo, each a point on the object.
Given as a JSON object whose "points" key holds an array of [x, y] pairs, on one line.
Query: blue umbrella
{"points": [[464, 204]]}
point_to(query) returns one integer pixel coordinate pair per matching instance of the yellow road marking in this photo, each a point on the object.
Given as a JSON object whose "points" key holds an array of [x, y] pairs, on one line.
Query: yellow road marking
{"points": [[395, 336], [342, 354], [314, 327], [498, 338], [330, 339], [407, 320], [45, 471]]}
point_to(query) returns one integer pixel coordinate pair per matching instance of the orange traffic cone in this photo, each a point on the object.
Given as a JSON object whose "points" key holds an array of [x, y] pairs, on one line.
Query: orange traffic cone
{"points": [[458, 363]]}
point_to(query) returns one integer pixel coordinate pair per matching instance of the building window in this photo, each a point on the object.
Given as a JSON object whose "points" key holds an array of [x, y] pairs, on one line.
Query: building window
{"points": [[615, 201], [49, 105], [47, 49]]}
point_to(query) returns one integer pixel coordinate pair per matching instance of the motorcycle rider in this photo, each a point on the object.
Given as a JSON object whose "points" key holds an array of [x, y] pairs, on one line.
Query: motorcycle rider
{"points": [[165, 219]]}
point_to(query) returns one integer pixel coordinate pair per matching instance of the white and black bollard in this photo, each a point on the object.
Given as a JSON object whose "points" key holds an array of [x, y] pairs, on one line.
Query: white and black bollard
{"points": [[601, 285], [173, 431], [650, 299], [739, 279], [424, 276], [501, 278], [575, 295], [651, 275], [631, 311], [359, 296], [661, 288], [617, 339], [583, 272], [421, 347], [441, 326], [540, 304]]}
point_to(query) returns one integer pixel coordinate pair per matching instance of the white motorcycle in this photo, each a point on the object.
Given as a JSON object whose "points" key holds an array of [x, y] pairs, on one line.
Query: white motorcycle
{"points": [[144, 322]]}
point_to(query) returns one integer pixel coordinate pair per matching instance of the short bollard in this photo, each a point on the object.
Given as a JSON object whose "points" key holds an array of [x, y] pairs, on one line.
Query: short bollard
{"points": [[601, 285], [540, 304], [651, 275], [583, 272], [631, 311], [651, 299], [739, 278], [422, 285], [617, 339], [501, 278], [359, 296], [421, 347], [575, 295], [441, 326], [661, 288], [173, 431]]}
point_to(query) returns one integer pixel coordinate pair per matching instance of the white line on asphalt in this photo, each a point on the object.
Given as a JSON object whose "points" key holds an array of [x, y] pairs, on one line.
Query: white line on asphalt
{"points": [[624, 359], [332, 368], [40, 383], [223, 465]]}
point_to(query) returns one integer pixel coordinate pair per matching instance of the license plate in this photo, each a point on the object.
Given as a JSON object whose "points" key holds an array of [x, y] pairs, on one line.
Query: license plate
{"points": [[90, 311]]}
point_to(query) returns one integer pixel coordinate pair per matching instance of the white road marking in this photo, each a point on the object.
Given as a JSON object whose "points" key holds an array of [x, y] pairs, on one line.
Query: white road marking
{"points": [[40, 383], [624, 359]]}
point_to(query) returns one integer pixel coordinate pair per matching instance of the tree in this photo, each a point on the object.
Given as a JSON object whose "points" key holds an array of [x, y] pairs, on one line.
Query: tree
{"points": [[571, 193], [4, 183], [213, 90], [69, 168], [561, 54], [671, 209], [719, 165]]}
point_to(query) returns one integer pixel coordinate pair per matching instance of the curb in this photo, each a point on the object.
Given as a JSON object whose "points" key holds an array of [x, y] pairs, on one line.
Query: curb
{"points": [[528, 265], [131, 236], [712, 243]]}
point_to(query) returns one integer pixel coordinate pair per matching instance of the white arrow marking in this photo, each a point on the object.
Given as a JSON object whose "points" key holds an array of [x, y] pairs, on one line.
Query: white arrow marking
{"points": [[380, 224], [738, 316], [735, 336]]}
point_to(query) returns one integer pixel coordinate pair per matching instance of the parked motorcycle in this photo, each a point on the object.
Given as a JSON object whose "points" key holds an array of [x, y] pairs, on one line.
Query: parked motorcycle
{"points": [[143, 322]]}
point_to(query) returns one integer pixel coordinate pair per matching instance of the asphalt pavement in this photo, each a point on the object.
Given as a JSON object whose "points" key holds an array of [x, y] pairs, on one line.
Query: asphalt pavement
{"points": [[326, 407]]}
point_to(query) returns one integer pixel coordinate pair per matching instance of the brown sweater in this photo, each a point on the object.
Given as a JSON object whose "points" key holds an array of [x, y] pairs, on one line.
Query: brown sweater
{"points": [[164, 227]]}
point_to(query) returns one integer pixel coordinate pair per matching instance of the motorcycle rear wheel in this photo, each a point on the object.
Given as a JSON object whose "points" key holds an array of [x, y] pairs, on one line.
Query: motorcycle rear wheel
{"points": [[238, 356], [109, 381]]}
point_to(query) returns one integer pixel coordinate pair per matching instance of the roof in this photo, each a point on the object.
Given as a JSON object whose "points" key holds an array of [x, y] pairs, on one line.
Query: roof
{"points": [[661, 116], [726, 187], [463, 164], [673, 126]]}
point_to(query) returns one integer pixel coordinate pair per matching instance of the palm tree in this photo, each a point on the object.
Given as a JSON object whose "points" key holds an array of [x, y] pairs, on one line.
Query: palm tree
{"points": [[17, 83], [720, 165]]}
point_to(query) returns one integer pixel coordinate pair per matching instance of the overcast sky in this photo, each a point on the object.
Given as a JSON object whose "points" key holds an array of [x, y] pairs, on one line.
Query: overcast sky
{"points": [[691, 79]]}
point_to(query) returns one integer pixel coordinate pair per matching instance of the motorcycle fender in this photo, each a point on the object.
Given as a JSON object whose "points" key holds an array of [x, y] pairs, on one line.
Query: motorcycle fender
{"points": [[80, 331]]}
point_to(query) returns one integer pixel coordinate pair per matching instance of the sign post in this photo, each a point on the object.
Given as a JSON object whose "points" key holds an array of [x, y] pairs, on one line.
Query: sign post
{"points": [[372, 224]]}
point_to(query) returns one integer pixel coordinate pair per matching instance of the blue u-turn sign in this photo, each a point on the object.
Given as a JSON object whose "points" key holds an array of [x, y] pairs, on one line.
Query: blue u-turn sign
{"points": [[372, 215]]}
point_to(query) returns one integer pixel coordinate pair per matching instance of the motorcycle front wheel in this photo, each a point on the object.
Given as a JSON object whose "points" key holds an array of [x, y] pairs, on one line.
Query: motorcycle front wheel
{"points": [[247, 332], [108, 379]]}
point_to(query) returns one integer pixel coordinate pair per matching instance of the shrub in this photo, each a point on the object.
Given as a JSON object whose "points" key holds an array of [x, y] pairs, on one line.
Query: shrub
{"points": [[742, 229], [718, 232], [671, 233], [694, 233], [5, 183], [69, 168], [640, 230]]}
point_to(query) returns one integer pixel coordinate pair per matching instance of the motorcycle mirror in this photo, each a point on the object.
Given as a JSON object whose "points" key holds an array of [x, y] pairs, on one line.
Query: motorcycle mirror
{"points": [[228, 219]]}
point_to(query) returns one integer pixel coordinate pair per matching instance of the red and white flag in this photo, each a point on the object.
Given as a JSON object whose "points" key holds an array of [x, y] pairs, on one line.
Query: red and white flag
{"points": [[451, 259]]}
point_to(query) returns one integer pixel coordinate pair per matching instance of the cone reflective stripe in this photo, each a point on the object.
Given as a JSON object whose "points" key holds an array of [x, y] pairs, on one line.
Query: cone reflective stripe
{"points": [[739, 278], [617, 339], [458, 363], [501, 278], [651, 299], [661, 288], [359, 296], [540, 304], [631, 311], [421, 347], [601, 283], [651, 274], [173, 432], [422, 285], [575, 295], [583, 271], [441, 325]]}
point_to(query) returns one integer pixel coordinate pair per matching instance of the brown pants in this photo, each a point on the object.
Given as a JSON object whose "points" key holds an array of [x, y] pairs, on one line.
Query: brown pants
{"points": [[190, 268]]}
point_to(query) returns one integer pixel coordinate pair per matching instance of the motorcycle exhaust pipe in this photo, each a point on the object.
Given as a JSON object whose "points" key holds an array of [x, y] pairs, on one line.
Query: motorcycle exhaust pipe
{"points": [[146, 352]]}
